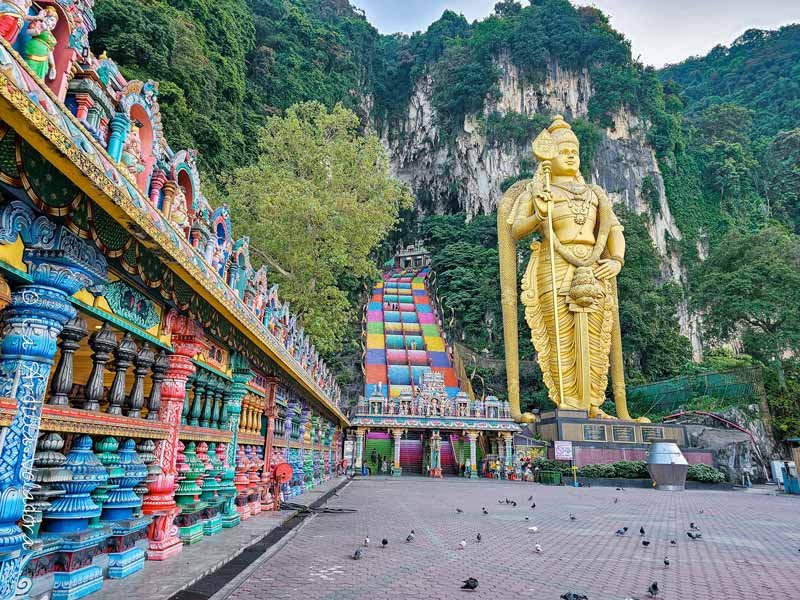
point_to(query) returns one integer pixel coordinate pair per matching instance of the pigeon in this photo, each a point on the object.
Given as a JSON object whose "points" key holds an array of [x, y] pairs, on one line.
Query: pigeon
{"points": [[616, 500], [694, 536], [537, 548], [573, 596], [470, 584], [621, 531], [645, 543], [513, 503], [508, 501], [673, 543], [533, 529], [384, 543], [486, 512], [530, 498], [410, 537], [533, 505], [666, 562], [366, 542], [501, 502], [358, 554], [572, 517], [459, 511], [693, 527], [641, 530], [653, 589], [462, 544], [701, 511], [527, 518], [478, 537]]}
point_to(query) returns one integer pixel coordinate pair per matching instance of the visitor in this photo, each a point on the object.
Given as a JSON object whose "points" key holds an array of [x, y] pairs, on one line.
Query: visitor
{"points": [[384, 467]]}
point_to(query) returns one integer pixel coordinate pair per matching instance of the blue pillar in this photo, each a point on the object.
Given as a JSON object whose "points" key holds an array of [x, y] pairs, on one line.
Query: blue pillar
{"points": [[120, 126], [59, 264]]}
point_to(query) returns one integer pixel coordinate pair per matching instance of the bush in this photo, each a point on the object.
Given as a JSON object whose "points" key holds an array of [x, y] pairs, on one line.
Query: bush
{"points": [[599, 470], [631, 469], [545, 464], [705, 474]]}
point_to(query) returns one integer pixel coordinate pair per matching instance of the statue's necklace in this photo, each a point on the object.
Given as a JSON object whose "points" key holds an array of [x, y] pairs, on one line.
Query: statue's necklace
{"points": [[579, 200]]}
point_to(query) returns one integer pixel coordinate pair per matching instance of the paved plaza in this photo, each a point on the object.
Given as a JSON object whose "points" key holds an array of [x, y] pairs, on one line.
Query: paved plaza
{"points": [[749, 546]]}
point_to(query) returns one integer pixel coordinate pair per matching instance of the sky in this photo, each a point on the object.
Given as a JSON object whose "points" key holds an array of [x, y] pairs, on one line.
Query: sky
{"points": [[660, 31]]}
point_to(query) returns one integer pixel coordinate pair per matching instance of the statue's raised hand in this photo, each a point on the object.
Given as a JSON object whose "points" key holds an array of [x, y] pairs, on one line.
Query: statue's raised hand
{"points": [[541, 201]]}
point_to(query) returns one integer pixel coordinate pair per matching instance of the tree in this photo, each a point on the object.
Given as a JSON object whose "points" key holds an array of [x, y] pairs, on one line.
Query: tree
{"points": [[507, 8], [782, 166], [318, 200], [749, 288], [652, 343]]}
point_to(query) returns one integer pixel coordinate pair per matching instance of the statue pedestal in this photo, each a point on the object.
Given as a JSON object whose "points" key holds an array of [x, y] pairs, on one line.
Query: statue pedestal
{"points": [[605, 440]]}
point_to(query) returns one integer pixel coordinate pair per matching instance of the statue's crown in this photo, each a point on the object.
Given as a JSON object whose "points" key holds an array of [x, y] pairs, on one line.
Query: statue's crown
{"points": [[561, 131]]}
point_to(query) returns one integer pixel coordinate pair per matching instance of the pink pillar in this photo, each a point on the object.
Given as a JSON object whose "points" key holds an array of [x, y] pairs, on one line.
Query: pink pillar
{"points": [[188, 341], [156, 183]]}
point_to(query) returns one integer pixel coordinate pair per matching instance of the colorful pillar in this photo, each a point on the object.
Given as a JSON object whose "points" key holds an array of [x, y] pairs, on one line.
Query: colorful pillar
{"points": [[157, 182], [473, 454], [187, 340], [397, 434], [509, 456], [120, 125], [59, 264], [271, 411], [241, 375], [436, 454], [359, 450]]}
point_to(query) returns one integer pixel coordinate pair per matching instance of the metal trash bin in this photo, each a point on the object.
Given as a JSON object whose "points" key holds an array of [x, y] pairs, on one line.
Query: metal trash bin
{"points": [[667, 466]]}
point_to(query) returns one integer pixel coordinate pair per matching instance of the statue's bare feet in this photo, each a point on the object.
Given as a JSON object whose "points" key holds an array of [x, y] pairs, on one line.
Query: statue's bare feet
{"points": [[642, 420], [597, 413], [527, 417]]}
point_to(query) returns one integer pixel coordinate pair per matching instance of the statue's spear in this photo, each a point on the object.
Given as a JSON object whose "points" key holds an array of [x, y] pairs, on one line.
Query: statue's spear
{"points": [[545, 149]]}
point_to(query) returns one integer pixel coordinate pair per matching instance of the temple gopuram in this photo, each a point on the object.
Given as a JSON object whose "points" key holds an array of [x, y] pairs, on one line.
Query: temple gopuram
{"points": [[419, 412], [150, 377]]}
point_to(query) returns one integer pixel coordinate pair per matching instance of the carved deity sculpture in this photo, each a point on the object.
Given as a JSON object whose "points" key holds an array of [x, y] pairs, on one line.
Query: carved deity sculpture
{"points": [[572, 274], [13, 14], [132, 152], [40, 46], [178, 214]]}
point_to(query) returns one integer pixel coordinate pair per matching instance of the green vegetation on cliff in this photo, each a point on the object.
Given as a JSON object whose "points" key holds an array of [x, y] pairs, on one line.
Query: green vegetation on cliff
{"points": [[724, 129]]}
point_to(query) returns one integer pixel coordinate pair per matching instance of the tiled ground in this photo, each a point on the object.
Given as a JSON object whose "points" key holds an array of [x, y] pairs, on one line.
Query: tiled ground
{"points": [[749, 548]]}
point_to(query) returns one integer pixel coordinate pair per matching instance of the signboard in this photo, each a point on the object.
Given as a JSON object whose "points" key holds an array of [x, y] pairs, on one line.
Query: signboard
{"points": [[594, 433], [623, 433], [652, 434], [563, 450]]}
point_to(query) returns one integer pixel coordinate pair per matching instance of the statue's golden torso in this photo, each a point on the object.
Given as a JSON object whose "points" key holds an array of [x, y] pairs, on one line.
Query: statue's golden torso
{"points": [[574, 213]]}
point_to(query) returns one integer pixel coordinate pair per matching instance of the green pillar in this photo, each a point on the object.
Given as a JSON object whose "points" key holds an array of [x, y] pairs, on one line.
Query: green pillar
{"points": [[233, 410]]}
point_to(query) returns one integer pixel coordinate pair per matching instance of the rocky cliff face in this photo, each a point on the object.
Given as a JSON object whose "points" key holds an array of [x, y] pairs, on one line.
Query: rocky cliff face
{"points": [[465, 175]]}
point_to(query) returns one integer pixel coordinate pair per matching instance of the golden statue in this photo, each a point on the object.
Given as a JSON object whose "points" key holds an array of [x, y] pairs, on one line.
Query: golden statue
{"points": [[578, 227]]}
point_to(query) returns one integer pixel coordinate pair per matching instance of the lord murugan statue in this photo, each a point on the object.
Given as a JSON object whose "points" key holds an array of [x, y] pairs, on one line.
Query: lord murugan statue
{"points": [[569, 288]]}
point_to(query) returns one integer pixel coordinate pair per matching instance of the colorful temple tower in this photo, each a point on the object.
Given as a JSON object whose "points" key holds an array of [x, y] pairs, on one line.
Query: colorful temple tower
{"points": [[150, 378], [419, 413]]}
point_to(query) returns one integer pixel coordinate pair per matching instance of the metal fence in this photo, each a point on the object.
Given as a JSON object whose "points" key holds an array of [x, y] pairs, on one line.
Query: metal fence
{"points": [[670, 395]]}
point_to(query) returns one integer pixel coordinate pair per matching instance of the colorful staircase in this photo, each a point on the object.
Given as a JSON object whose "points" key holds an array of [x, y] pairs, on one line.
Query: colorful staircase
{"points": [[381, 443], [411, 455], [449, 466], [403, 338]]}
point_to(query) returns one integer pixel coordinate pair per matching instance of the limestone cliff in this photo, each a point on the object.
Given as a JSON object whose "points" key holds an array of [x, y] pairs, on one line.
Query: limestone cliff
{"points": [[465, 174]]}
